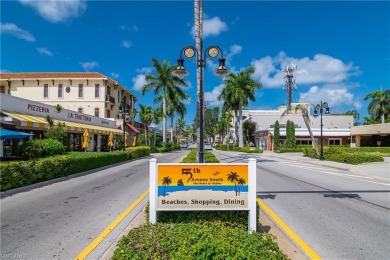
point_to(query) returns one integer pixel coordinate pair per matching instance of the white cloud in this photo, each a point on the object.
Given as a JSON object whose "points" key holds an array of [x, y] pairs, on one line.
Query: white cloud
{"points": [[212, 97], [123, 27], [213, 26], [135, 28], [126, 44], [44, 52], [14, 30], [337, 95], [139, 81], [145, 70], [88, 66], [321, 69], [115, 75], [56, 11]]}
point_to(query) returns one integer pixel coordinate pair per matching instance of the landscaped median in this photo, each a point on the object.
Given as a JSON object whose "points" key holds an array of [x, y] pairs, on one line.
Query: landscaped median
{"points": [[198, 235], [14, 174]]}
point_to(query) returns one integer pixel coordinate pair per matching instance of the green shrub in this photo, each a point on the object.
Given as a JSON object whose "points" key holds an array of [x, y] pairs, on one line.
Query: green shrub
{"points": [[39, 148], [15, 174], [291, 150]]}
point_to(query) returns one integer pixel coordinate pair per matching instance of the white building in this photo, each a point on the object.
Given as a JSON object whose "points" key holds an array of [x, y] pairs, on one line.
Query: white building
{"points": [[336, 129]]}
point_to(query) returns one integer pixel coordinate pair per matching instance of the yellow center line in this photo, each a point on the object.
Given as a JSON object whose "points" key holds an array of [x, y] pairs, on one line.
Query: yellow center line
{"points": [[110, 228], [302, 244]]}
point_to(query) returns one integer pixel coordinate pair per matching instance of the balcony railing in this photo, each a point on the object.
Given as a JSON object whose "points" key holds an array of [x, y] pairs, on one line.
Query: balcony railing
{"points": [[110, 99]]}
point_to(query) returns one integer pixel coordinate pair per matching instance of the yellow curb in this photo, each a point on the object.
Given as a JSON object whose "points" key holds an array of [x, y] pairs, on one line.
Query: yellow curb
{"points": [[297, 240], [83, 254]]}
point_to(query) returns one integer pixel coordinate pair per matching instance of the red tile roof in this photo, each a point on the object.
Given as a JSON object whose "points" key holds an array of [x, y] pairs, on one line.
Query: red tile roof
{"points": [[52, 75]]}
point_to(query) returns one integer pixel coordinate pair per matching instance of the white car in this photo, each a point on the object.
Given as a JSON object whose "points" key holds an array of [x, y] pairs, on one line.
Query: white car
{"points": [[207, 146], [183, 144]]}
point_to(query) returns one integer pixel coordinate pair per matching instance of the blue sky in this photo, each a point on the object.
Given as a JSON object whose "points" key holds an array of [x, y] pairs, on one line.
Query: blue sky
{"points": [[341, 49]]}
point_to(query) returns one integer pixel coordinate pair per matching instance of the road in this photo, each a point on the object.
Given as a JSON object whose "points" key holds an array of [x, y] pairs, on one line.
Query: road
{"points": [[340, 215], [57, 221]]}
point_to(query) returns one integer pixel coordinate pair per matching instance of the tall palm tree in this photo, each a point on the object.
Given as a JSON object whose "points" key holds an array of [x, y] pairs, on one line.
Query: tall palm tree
{"points": [[233, 177], [355, 115], [163, 84], [157, 117], [146, 116], [166, 181], [379, 106], [306, 119], [239, 90], [175, 105], [180, 123]]}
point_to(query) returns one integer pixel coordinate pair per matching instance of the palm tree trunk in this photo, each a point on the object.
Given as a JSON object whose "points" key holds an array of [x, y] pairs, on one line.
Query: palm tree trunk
{"points": [[240, 130], [155, 134], [172, 130], [314, 143], [146, 140], [236, 126], [164, 123]]}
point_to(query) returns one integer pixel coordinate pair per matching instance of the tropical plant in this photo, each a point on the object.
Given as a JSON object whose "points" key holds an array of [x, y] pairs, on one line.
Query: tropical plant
{"points": [[211, 122], [164, 85], [379, 106], [233, 177], [239, 90], [224, 124], [355, 115], [157, 117], [249, 129], [276, 135], [306, 119], [146, 116], [58, 108], [175, 105], [290, 134]]}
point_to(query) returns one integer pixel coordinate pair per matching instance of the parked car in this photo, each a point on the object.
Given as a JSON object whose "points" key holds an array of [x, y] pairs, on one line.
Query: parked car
{"points": [[183, 144], [207, 146]]}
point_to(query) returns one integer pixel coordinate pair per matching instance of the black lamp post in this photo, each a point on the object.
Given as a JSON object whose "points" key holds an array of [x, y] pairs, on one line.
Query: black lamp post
{"points": [[124, 111], [189, 53], [320, 107]]}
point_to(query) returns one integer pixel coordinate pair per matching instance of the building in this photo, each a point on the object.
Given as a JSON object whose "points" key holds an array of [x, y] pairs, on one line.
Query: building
{"points": [[371, 135], [89, 93], [336, 128]]}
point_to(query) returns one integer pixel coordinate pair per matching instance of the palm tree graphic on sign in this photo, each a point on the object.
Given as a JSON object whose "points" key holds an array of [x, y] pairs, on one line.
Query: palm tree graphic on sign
{"points": [[166, 181], [233, 177], [241, 182]]}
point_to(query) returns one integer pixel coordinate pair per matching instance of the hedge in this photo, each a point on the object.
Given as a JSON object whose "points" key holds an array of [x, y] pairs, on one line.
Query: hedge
{"points": [[15, 174], [224, 147]]}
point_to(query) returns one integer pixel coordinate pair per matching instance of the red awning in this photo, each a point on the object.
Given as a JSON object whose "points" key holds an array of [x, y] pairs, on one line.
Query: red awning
{"points": [[133, 128]]}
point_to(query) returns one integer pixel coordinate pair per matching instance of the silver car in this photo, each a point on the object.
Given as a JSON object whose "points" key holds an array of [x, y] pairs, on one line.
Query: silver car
{"points": [[207, 146]]}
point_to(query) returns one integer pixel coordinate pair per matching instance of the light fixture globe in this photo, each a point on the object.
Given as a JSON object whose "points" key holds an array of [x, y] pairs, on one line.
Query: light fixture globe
{"points": [[221, 71], [180, 71]]}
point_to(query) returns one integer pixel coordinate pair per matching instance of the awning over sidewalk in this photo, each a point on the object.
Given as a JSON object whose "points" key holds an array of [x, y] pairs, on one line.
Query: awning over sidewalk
{"points": [[133, 128], [41, 123]]}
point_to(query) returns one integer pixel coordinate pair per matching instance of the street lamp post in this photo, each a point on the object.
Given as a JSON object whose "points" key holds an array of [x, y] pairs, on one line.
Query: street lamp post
{"points": [[124, 111], [320, 107], [189, 52]]}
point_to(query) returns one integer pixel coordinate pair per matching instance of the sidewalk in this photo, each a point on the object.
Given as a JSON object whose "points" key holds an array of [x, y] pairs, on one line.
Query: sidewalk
{"points": [[377, 169]]}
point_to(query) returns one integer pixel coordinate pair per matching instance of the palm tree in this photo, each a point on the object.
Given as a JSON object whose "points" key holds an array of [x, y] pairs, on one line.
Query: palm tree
{"points": [[164, 84], [180, 123], [233, 177], [146, 116], [166, 181], [240, 182], [355, 115], [239, 90], [157, 117], [175, 105], [58, 108], [306, 119], [379, 106]]}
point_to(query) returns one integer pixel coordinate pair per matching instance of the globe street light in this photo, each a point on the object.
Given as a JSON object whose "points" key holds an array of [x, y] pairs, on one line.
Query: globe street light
{"points": [[212, 52], [320, 107], [124, 110]]}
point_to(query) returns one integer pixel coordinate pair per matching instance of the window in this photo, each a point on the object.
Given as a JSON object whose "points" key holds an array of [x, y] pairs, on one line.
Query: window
{"points": [[108, 91], [80, 110], [108, 113], [97, 90], [96, 111], [46, 90], [60, 91], [334, 141], [80, 90], [2, 89]]}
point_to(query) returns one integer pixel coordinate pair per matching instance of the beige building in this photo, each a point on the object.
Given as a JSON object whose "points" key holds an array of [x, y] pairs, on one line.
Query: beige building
{"points": [[371, 135], [90, 93], [336, 129]]}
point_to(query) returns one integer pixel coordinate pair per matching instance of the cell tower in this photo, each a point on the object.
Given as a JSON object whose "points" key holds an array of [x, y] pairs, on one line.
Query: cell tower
{"points": [[289, 84]]}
